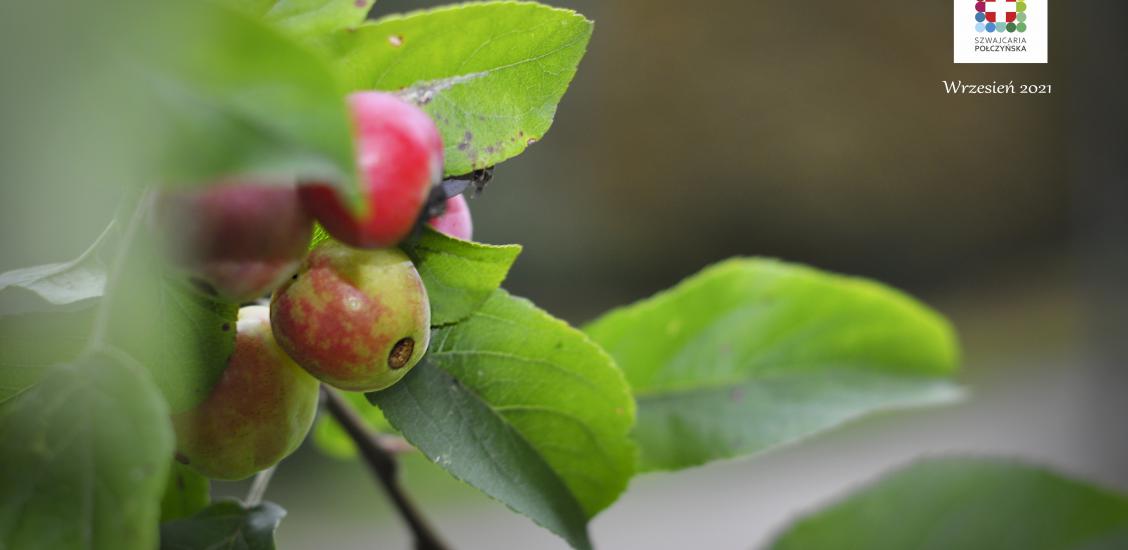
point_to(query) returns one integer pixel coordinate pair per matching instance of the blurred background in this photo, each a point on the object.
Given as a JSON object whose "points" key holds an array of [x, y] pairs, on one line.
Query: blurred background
{"points": [[816, 132]]}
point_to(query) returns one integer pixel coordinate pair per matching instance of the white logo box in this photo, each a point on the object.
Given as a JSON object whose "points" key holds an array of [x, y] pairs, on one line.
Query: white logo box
{"points": [[1031, 46]]}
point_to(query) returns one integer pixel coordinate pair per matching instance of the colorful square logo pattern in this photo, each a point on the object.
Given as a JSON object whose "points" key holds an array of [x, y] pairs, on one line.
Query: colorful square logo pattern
{"points": [[1000, 16]]}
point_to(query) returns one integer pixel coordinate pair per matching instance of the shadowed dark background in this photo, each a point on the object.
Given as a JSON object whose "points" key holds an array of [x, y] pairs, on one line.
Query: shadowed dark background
{"points": [[817, 134]]}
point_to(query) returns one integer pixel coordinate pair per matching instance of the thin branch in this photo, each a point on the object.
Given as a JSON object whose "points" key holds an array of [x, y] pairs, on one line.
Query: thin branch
{"points": [[384, 466], [394, 445], [258, 487]]}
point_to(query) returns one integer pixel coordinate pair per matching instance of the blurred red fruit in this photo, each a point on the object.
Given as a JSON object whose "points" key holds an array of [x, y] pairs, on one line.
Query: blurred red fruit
{"points": [[236, 241]]}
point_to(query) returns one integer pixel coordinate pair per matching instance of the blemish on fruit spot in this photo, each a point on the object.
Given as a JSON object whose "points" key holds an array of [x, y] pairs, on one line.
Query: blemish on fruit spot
{"points": [[395, 40], [736, 395], [401, 353]]}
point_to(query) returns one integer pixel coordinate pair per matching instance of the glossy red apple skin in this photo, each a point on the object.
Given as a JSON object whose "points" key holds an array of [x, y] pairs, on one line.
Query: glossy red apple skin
{"points": [[455, 221], [257, 414], [355, 319], [235, 240], [399, 157]]}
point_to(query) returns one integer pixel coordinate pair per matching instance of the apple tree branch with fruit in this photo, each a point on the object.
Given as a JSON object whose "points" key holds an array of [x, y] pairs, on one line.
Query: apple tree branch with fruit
{"points": [[296, 238]]}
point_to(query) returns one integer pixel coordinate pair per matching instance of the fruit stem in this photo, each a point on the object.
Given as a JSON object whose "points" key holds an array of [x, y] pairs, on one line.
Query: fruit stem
{"points": [[258, 486], [384, 467]]}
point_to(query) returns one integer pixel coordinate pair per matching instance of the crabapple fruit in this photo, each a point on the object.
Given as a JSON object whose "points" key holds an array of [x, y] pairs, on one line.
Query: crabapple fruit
{"points": [[355, 319], [236, 241], [399, 157], [455, 221], [257, 414]]}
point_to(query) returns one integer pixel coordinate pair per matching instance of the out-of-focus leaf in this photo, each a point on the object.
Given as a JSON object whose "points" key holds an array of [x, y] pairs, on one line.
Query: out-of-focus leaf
{"points": [[182, 337], [31, 343], [311, 19], [46, 313], [84, 457], [225, 524], [753, 353], [58, 286], [186, 493], [970, 504], [238, 96]]}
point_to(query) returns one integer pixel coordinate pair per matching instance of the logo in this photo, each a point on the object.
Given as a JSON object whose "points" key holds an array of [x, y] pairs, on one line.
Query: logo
{"points": [[1000, 16], [1000, 31]]}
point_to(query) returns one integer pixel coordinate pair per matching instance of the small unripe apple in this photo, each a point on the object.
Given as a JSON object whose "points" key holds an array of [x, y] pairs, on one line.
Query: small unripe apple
{"points": [[399, 157], [455, 221], [355, 319], [236, 241], [257, 414]]}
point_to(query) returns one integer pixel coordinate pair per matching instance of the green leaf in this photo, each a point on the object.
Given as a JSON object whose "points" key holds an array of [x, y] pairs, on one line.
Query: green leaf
{"points": [[31, 343], [225, 524], [46, 313], [459, 275], [970, 504], [319, 235], [490, 74], [186, 493], [313, 18], [248, 99], [332, 439], [182, 337], [463, 434], [307, 19], [58, 286], [84, 457], [754, 353], [524, 408]]}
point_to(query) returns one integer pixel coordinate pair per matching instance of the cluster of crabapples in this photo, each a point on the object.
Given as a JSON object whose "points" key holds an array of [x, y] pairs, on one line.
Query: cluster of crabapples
{"points": [[351, 313]]}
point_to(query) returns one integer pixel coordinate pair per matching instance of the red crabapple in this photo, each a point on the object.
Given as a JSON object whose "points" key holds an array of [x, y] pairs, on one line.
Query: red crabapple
{"points": [[355, 319], [399, 157], [258, 413], [455, 221]]}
